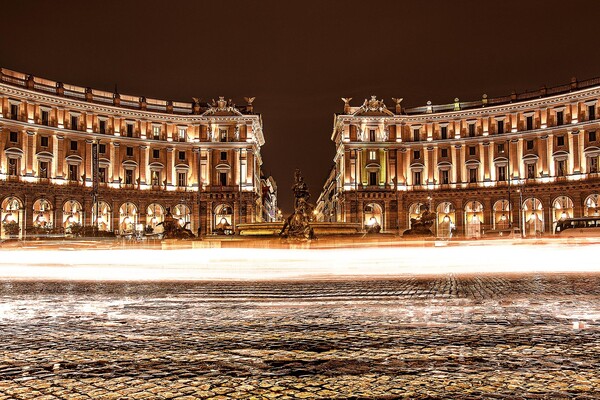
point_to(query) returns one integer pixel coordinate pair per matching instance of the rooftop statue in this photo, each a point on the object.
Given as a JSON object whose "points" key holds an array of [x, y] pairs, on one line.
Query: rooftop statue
{"points": [[297, 225]]}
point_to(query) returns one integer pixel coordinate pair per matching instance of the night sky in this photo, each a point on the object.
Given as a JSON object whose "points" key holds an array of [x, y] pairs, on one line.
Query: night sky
{"points": [[299, 58]]}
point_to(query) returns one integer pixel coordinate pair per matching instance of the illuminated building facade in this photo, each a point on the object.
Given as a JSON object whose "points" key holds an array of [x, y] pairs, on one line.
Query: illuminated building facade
{"points": [[525, 160], [62, 144]]}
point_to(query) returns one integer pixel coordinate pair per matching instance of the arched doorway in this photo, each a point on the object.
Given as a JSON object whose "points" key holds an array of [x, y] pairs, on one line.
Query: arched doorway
{"points": [[501, 213], [72, 215], [182, 213], [590, 206], [42, 214], [12, 218], [155, 214], [532, 217], [562, 208], [223, 219], [373, 216], [128, 218], [446, 219], [104, 220], [473, 219]]}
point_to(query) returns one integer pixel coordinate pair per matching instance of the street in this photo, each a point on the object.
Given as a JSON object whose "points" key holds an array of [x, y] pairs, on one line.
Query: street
{"points": [[531, 335]]}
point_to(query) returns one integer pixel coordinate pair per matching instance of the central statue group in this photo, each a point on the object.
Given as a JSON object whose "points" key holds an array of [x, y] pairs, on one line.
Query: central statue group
{"points": [[297, 225]]}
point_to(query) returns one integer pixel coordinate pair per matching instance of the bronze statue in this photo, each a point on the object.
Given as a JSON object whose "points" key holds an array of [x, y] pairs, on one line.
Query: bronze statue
{"points": [[173, 230], [297, 225], [421, 226]]}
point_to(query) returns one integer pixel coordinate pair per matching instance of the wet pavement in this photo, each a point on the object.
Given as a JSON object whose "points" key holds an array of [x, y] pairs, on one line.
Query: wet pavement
{"points": [[450, 336]]}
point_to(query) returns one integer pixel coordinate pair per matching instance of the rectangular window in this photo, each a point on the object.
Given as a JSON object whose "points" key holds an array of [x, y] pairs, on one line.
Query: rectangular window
{"points": [[102, 175], [223, 135], [223, 156], [129, 130], [472, 150], [444, 132], [45, 117], [561, 169], [416, 135], [73, 145], [156, 132], [12, 166], [591, 136], [529, 145], [471, 130], [473, 175], [500, 126], [14, 137], [592, 163], [14, 111], [73, 172], [102, 148], [44, 141], [500, 148], [155, 153], [592, 112], [182, 134], [181, 179], [223, 178], [102, 126], [530, 171], [416, 154], [560, 140], [181, 155], [129, 177], [502, 173], [155, 176], [444, 152], [560, 118], [372, 135], [372, 178], [43, 169], [129, 151], [445, 177], [529, 122], [417, 178], [74, 122]]}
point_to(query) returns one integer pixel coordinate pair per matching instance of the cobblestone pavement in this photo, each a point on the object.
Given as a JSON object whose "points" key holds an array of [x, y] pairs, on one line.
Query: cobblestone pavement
{"points": [[487, 336]]}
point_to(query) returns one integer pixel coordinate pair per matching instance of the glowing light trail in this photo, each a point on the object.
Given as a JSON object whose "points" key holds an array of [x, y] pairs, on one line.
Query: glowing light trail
{"points": [[259, 264]]}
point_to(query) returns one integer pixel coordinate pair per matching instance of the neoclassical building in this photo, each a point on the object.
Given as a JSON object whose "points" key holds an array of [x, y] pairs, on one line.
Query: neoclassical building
{"points": [[525, 160], [80, 156]]}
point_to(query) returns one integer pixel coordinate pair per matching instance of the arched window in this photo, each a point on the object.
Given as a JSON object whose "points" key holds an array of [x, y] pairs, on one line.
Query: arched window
{"points": [[501, 215], [373, 215], [446, 219], [590, 206], [128, 217], [415, 210], [42, 214], [155, 214], [104, 220], [532, 217], [562, 208], [72, 214], [12, 217], [182, 213], [223, 218], [473, 219]]}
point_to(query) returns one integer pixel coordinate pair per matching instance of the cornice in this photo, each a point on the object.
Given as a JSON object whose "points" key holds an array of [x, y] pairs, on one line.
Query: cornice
{"points": [[44, 99]]}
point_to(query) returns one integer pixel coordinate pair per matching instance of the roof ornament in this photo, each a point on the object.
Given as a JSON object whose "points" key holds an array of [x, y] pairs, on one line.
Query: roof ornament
{"points": [[346, 101], [373, 105], [221, 106]]}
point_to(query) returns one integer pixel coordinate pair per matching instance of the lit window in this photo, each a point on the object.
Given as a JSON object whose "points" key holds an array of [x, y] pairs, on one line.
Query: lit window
{"points": [[182, 134], [372, 154], [155, 177], [223, 135], [372, 135], [156, 132], [181, 179]]}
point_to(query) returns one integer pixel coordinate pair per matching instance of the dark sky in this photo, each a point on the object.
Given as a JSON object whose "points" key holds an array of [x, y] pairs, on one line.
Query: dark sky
{"points": [[299, 58]]}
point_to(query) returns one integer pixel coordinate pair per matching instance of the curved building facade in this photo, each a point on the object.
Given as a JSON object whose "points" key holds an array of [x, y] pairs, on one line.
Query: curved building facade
{"points": [[525, 160], [74, 156]]}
